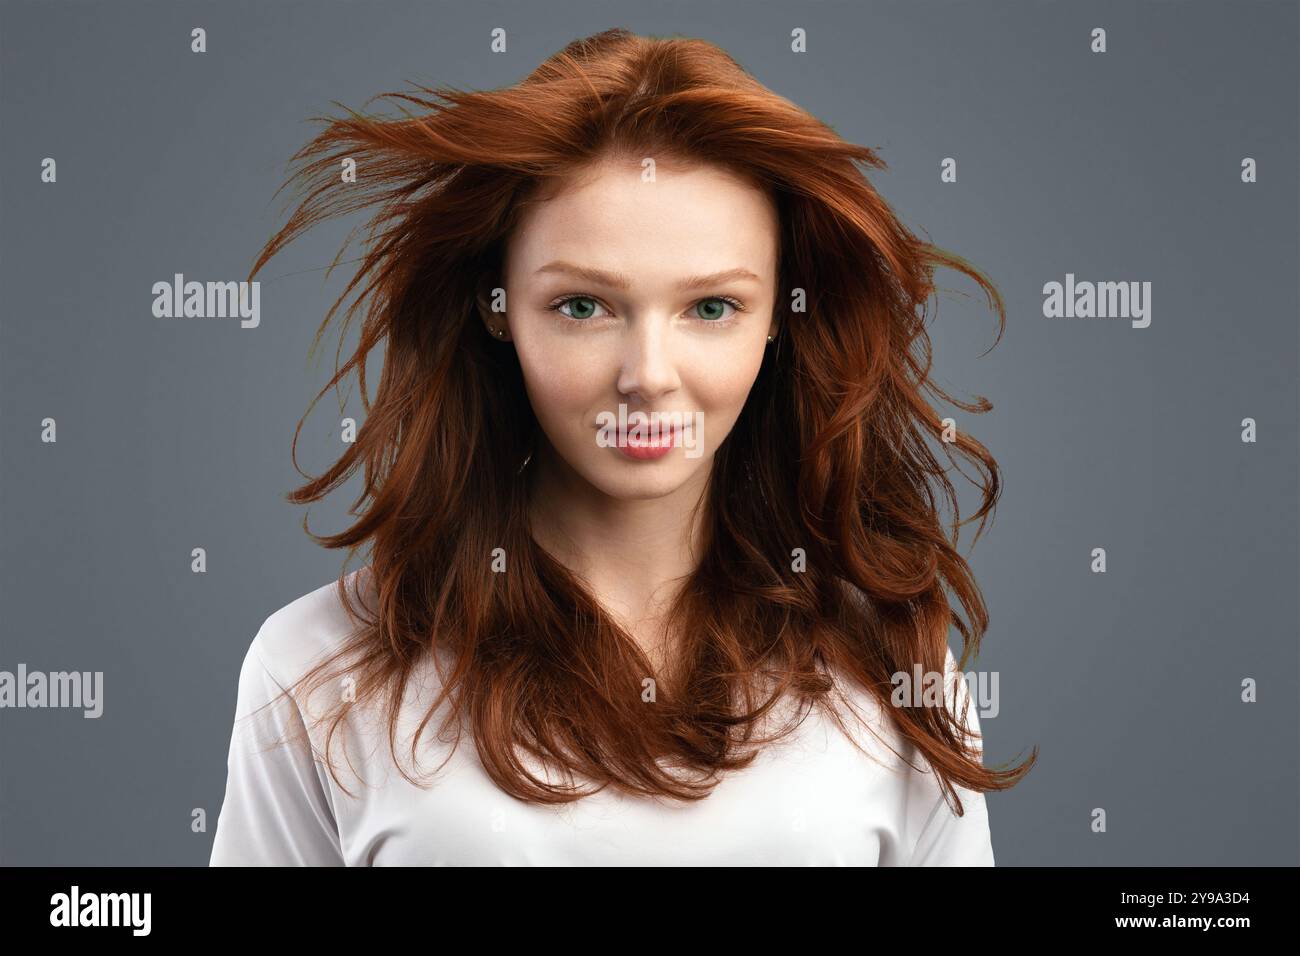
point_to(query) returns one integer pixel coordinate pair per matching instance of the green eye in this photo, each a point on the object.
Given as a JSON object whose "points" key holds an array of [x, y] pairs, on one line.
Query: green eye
{"points": [[580, 307], [716, 309]]}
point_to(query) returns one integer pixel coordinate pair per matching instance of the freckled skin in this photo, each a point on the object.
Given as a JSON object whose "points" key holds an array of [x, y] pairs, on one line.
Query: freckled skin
{"points": [[650, 347]]}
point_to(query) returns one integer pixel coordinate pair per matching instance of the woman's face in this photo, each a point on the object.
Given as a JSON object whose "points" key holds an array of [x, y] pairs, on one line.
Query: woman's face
{"points": [[655, 295]]}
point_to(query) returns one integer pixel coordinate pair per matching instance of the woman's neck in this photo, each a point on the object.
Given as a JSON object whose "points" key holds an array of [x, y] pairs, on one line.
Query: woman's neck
{"points": [[634, 554]]}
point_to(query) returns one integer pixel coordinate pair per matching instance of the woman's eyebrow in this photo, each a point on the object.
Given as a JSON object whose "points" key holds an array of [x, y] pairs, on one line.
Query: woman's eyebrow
{"points": [[618, 280]]}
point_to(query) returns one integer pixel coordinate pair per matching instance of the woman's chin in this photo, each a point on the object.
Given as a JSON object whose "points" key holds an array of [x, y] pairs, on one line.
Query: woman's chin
{"points": [[629, 479]]}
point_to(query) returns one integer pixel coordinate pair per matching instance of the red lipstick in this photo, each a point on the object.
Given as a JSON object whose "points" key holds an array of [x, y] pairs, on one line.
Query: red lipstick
{"points": [[650, 449]]}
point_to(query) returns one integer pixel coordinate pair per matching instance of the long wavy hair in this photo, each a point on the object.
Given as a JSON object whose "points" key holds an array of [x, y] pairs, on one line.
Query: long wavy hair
{"points": [[825, 549]]}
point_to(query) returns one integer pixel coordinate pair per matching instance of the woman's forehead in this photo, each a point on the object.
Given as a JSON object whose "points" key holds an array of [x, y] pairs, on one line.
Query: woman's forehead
{"points": [[697, 213]]}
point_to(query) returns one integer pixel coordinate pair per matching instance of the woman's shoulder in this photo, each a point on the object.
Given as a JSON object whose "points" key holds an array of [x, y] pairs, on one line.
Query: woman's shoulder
{"points": [[311, 628]]}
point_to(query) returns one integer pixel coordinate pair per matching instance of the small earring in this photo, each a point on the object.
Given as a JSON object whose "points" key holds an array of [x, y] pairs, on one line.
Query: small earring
{"points": [[501, 333], [771, 338]]}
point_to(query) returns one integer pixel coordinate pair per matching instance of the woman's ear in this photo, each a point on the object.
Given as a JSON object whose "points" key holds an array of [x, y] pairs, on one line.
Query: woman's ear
{"points": [[486, 297]]}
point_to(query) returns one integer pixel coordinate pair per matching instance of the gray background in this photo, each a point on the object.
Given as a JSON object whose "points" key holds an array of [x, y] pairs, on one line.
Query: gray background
{"points": [[1123, 166]]}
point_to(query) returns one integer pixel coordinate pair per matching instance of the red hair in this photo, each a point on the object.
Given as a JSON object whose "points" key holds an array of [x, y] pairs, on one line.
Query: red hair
{"points": [[829, 454]]}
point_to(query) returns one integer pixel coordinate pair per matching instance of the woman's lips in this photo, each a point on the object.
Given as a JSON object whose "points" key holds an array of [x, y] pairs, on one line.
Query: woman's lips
{"points": [[654, 446]]}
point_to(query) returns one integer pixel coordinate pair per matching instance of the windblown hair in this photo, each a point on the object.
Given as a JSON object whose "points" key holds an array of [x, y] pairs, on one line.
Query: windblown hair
{"points": [[829, 454]]}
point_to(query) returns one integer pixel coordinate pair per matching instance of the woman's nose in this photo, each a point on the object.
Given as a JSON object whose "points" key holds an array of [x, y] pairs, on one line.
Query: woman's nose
{"points": [[649, 367]]}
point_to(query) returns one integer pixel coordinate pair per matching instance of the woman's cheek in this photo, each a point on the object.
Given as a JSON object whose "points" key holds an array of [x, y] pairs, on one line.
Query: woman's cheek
{"points": [[563, 393], [723, 383]]}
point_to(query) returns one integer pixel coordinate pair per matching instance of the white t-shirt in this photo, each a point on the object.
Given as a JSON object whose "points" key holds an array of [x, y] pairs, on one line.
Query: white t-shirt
{"points": [[809, 799]]}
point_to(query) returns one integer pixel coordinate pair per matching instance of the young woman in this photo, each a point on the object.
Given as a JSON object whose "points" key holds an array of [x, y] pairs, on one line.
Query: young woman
{"points": [[651, 513]]}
